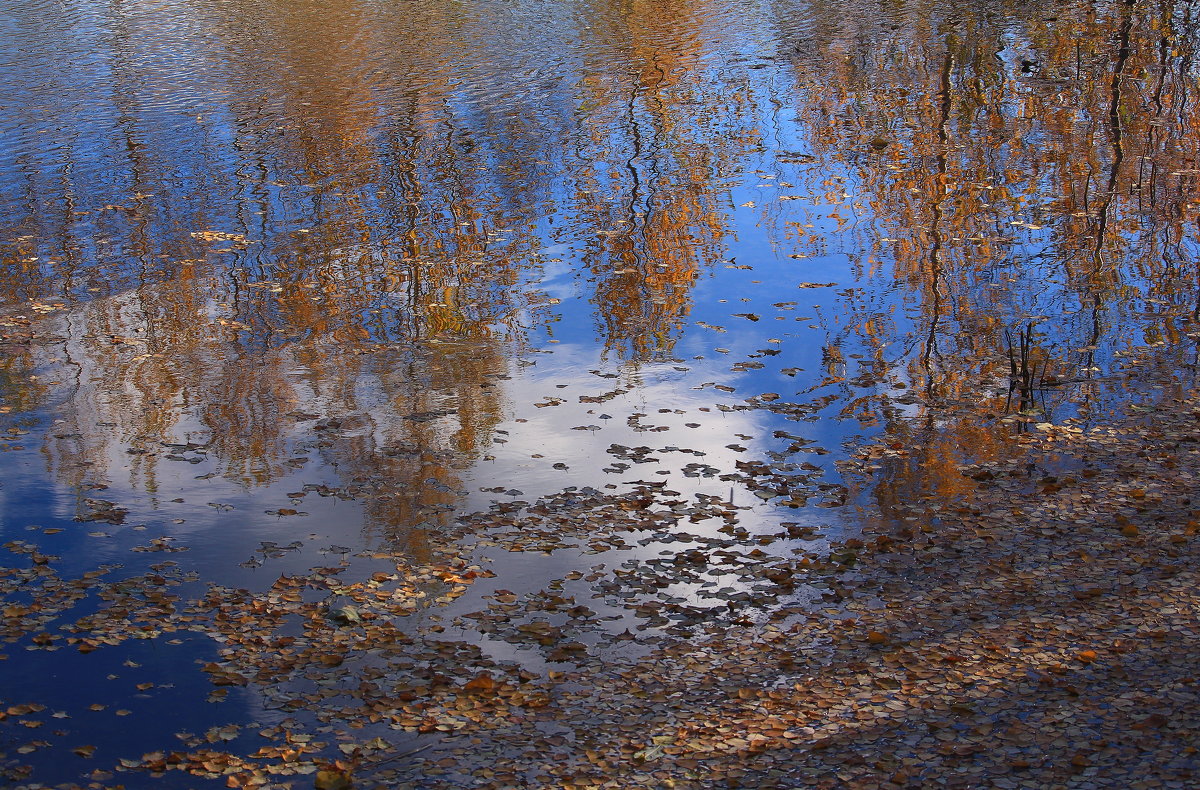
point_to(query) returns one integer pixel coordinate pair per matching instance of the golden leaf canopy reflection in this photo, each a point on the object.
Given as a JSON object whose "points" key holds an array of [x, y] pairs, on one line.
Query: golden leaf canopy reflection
{"points": [[321, 243], [408, 415], [651, 198], [1032, 187], [260, 228]]}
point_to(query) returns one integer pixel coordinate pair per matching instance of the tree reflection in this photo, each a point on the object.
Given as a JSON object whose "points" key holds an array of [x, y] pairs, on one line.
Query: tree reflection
{"points": [[320, 240], [651, 203], [331, 217], [1032, 185]]}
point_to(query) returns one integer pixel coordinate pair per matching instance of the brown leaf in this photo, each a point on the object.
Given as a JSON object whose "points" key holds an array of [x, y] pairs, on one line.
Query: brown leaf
{"points": [[333, 780], [480, 684]]}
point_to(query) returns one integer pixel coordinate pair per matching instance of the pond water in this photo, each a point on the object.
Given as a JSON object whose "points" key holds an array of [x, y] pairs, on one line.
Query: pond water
{"points": [[411, 288]]}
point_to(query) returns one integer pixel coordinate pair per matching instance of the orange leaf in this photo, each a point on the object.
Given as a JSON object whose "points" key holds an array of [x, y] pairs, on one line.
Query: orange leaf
{"points": [[483, 682]]}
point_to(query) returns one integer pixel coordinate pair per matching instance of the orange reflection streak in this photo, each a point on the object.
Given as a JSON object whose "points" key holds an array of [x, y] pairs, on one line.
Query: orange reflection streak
{"points": [[997, 162], [652, 204]]}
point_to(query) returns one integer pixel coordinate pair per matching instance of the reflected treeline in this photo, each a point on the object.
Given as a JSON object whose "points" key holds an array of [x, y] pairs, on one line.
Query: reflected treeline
{"points": [[392, 184], [1033, 184], [395, 422], [337, 213], [341, 210], [651, 199]]}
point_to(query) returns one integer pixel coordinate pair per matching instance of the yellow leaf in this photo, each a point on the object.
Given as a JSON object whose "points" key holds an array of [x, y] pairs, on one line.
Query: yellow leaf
{"points": [[333, 780]]}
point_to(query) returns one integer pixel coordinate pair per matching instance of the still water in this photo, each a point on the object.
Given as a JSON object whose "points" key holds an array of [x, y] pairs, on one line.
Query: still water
{"points": [[319, 283]]}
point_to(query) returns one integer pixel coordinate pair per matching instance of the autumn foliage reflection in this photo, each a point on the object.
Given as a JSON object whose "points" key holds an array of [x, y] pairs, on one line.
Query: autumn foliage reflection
{"points": [[325, 220], [1029, 182], [332, 253]]}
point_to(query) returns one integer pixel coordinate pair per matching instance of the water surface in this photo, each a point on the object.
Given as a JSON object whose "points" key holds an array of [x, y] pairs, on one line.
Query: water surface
{"points": [[298, 284]]}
